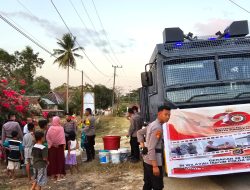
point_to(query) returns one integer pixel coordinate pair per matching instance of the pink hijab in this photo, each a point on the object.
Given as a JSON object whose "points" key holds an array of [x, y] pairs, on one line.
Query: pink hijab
{"points": [[55, 135]]}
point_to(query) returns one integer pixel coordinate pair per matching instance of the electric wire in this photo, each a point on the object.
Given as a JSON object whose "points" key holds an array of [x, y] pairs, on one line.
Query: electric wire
{"points": [[86, 29], [105, 34], [239, 6], [30, 12], [77, 41], [20, 3], [24, 30], [32, 40], [24, 34]]}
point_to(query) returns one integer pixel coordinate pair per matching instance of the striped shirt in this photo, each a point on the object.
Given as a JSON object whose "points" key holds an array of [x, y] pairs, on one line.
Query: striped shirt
{"points": [[15, 147]]}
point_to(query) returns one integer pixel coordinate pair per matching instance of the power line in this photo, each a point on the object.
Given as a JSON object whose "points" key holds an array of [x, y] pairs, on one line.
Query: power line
{"points": [[76, 40], [30, 12], [104, 31], [108, 81], [85, 75], [87, 28], [25, 7], [106, 35], [24, 29], [92, 23], [239, 6], [29, 38], [24, 34]]}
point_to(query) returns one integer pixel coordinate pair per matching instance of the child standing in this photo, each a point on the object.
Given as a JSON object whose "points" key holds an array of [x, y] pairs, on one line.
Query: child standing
{"points": [[71, 152], [15, 154], [28, 143], [40, 161], [43, 124]]}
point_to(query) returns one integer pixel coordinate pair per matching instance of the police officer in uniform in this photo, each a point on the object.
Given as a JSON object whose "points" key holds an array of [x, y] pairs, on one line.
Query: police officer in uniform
{"points": [[136, 124], [89, 130], [69, 126], [152, 150]]}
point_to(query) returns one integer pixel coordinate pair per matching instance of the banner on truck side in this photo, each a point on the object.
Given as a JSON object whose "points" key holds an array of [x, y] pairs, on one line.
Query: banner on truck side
{"points": [[208, 141]]}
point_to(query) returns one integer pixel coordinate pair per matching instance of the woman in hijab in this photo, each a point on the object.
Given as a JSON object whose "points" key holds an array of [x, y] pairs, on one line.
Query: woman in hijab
{"points": [[56, 143]]}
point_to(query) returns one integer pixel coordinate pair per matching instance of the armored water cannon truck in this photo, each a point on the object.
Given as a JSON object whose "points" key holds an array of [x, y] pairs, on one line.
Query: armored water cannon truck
{"points": [[206, 82]]}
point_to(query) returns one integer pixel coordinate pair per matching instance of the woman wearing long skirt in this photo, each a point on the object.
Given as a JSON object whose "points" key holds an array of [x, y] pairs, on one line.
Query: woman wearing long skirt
{"points": [[56, 143]]}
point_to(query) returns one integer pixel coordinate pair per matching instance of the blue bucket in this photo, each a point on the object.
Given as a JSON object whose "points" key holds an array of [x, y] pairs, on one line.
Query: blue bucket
{"points": [[104, 156]]}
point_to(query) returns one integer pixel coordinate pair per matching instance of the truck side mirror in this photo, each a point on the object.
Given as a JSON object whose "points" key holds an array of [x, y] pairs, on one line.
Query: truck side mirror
{"points": [[146, 79]]}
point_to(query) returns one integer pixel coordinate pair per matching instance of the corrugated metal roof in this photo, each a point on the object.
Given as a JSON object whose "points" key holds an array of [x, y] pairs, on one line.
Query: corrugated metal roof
{"points": [[55, 98], [47, 101]]}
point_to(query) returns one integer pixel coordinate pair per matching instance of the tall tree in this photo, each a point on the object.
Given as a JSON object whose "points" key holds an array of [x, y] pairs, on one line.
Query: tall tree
{"points": [[27, 62], [103, 97], [20, 67], [7, 64], [66, 57], [75, 104], [41, 86]]}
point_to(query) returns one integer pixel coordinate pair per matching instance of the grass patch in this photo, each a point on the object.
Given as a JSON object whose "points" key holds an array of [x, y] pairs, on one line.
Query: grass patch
{"points": [[96, 167]]}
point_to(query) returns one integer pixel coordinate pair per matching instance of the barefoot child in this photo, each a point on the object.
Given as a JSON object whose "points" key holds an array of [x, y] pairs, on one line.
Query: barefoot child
{"points": [[70, 159], [28, 143], [40, 161], [15, 154]]}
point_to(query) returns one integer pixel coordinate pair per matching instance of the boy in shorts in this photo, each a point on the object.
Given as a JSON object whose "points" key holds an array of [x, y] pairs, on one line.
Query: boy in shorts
{"points": [[40, 161], [28, 143], [15, 154]]}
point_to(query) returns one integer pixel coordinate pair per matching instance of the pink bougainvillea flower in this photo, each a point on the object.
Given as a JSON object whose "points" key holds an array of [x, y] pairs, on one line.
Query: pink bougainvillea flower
{"points": [[23, 123], [22, 82], [9, 93], [6, 105], [22, 91], [4, 81], [26, 103], [45, 114], [19, 108]]}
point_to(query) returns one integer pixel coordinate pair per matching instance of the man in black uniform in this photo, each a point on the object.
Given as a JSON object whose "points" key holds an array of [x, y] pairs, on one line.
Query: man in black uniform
{"points": [[152, 150], [136, 123]]}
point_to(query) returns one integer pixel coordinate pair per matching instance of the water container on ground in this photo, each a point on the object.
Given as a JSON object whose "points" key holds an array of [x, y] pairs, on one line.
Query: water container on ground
{"points": [[104, 156], [123, 154], [115, 156], [111, 142]]}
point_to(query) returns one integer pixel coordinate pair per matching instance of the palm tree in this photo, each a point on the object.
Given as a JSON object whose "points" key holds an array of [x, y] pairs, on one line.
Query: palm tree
{"points": [[66, 57]]}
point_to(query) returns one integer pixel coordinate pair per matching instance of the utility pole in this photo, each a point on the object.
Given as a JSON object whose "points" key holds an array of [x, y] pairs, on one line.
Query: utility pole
{"points": [[82, 97], [113, 96]]}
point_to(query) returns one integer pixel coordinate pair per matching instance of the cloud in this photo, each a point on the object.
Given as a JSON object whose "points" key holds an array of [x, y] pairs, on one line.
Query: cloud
{"points": [[104, 50], [124, 46], [56, 30], [101, 43], [212, 26]]}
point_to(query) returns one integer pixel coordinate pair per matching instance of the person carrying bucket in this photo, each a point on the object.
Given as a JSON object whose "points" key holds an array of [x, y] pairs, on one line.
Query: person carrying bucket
{"points": [[152, 151], [136, 124], [89, 131]]}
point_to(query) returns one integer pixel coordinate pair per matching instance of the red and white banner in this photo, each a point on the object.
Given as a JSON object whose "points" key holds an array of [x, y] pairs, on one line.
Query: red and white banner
{"points": [[208, 141]]}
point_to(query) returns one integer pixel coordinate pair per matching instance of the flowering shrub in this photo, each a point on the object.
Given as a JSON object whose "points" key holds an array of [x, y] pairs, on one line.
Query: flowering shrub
{"points": [[45, 114], [12, 101]]}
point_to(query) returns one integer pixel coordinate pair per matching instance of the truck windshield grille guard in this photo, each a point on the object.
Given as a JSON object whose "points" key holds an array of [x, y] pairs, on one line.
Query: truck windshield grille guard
{"points": [[206, 46], [211, 92]]}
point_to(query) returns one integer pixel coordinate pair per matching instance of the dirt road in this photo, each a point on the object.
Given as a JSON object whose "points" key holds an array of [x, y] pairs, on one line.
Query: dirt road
{"points": [[223, 182]]}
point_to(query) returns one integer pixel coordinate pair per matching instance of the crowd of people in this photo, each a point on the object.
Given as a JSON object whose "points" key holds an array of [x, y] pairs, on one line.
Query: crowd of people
{"points": [[46, 145], [50, 145]]}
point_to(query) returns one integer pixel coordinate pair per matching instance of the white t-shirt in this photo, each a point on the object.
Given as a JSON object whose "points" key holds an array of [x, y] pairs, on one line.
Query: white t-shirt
{"points": [[73, 147], [25, 129]]}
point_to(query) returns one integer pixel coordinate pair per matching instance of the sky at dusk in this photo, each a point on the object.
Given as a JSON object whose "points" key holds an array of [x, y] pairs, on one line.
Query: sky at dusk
{"points": [[133, 28]]}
